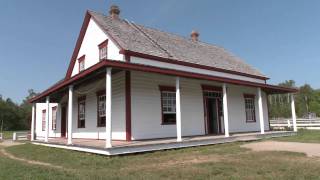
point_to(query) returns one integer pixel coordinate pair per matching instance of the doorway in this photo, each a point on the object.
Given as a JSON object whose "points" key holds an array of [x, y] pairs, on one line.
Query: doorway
{"points": [[63, 121], [213, 112]]}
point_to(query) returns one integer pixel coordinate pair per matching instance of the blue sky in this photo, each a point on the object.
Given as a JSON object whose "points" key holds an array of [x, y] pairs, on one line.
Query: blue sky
{"points": [[280, 38]]}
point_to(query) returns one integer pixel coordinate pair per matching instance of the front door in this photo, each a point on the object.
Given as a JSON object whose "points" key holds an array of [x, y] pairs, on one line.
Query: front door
{"points": [[214, 116], [213, 112], [63, 121]]}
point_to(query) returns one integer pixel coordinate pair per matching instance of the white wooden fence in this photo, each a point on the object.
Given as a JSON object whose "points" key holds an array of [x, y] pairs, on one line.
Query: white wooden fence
{"points": [[21, 135], [301, 123]]}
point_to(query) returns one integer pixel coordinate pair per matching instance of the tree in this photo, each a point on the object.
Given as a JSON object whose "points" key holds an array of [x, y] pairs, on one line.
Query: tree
{"points": [[307, 100], [15, 116]]}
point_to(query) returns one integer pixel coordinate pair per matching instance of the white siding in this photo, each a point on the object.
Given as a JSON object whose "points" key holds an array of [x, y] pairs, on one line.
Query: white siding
{"points": [[91, 130], [146, 107], [118, 110], [52, 133], [191, 69], [89, 47]]}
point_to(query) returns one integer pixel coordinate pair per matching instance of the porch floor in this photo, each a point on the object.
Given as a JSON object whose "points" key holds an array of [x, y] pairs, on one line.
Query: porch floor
{"points": [[125, 147]]}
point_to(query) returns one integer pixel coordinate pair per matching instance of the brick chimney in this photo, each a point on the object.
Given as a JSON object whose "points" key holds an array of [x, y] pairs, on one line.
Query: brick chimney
{"points": [[194, 35], [114, 12]]}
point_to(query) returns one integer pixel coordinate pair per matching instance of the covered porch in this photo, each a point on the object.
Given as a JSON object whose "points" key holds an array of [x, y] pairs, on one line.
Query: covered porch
{"points": [[126, 147], [107, 69]]}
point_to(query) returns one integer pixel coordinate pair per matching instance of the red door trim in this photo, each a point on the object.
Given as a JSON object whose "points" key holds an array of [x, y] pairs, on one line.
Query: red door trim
{"points": [[128, 105]]}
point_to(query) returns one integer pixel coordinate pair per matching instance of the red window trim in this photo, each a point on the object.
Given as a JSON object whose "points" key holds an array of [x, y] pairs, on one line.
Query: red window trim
{"points": [[104, 44], [211, 88], [53, 109], [45, 116], [251, 96], [99, 93], [80, 59], [81, 99], [168, 89]]}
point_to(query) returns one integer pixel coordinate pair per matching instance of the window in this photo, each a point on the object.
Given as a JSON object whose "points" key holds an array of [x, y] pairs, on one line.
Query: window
{"points": [[103, 50], [81, 61], [101, 107], [168, 103], [250, 107], [54, 118], [81, 112], [43, 120]]}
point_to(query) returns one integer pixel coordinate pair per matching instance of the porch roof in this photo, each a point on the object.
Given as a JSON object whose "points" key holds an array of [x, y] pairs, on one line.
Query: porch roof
{"points": [[270, 89]]}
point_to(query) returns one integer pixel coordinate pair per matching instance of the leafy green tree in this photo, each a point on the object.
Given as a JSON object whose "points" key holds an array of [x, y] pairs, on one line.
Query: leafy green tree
{"points": [[306, 99], [15, 116]]}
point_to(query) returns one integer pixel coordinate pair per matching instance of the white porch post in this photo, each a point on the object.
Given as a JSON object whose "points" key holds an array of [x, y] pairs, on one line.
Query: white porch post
{"points": [[70, 106], [260, 111], [294, 117], [32, 121], [47, 118], [178, 109], [225, 110], [108, 109]]}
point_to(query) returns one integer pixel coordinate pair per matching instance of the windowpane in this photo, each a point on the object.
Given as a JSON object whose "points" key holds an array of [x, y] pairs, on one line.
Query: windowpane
{"points": [[82, 114], [103, 53], [168, 107], [54, 118], [43, 120], [102, 110], [81, 65], [250, 109]]}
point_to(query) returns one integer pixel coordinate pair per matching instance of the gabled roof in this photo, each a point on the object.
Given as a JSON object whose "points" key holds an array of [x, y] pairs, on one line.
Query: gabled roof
{"points": [[140, 39]]}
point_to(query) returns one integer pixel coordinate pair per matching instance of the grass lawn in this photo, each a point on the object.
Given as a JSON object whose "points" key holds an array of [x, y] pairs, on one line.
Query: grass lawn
{"points": [[307, 136], [7, 134], [225, 161]]}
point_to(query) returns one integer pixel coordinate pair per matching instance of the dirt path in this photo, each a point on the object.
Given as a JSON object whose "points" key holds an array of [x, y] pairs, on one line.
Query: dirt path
{"points": [[8, 143], [310, 149]]}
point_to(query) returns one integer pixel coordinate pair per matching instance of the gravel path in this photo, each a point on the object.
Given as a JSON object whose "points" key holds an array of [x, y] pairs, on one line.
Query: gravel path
{"points": [[310, 149]]}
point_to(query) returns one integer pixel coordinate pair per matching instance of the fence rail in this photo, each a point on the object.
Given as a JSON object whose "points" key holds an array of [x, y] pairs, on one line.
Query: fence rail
{"points": [[301, 123]]}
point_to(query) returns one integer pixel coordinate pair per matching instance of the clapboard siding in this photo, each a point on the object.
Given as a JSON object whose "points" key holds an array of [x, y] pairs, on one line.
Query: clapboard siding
{"points": [[118, 111], [146, 107]]}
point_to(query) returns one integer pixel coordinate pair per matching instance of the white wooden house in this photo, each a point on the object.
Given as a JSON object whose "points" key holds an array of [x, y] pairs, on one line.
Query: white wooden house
{"points": [[127, 83]]}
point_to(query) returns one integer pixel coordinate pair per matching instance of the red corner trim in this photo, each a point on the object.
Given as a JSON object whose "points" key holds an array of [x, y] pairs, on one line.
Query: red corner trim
{"points": [[128, 105]]}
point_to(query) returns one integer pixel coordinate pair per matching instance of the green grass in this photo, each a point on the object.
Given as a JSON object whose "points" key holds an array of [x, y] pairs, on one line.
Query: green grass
{"points": [[7, 134], [307, 136], [225, 161]]}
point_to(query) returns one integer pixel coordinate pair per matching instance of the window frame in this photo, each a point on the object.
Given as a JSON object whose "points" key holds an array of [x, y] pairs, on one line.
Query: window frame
{"points": [[167, 89], [82, 60], [54, 120], [82, 101], [103, 118], [253, 99], [43, 120], [101, 46]]}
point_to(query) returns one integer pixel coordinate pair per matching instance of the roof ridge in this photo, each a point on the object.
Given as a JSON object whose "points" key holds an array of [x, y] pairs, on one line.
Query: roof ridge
{"points": [[150, 38]]}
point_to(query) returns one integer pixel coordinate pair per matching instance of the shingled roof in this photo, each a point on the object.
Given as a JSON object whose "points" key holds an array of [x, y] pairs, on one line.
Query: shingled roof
{"points": [[145, 40]]}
